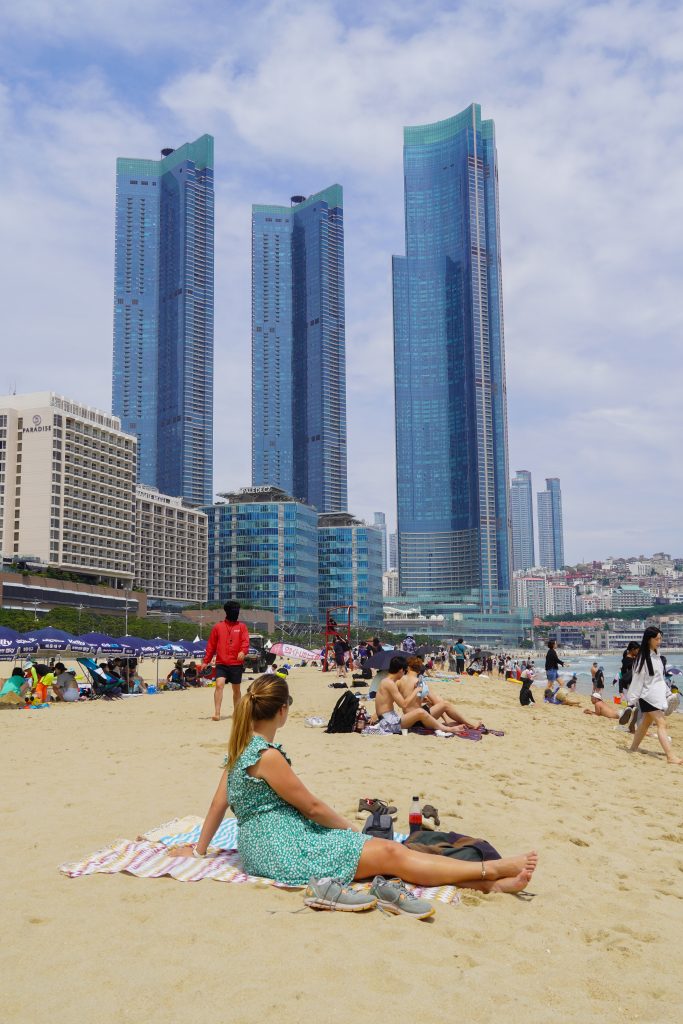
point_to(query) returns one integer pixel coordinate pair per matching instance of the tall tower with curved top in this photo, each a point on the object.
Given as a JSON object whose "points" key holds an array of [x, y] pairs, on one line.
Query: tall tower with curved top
{"points": [[449, 370]]}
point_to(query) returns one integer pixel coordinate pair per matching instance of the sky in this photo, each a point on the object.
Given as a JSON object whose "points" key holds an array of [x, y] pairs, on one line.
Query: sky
{"points": [[299, 95]]}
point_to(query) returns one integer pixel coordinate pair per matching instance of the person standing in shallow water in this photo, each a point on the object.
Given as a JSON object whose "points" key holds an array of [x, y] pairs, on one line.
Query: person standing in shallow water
{"points": [[289, 834], [552, 662], [648, 690]]}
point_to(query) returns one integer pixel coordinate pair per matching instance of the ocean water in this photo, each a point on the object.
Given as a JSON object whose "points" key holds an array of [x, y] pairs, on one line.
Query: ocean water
{"points": [[580, 663]]}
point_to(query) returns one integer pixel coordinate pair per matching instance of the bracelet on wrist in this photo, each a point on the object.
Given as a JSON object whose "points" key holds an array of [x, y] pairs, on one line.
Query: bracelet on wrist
{"points": [[196, 853]]}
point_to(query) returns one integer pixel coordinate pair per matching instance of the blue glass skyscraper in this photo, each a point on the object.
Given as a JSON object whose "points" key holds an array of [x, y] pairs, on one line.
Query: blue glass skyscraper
{"points": [[163, 316], [451, 418], [522, 518], [550, 527], [298, 349]]}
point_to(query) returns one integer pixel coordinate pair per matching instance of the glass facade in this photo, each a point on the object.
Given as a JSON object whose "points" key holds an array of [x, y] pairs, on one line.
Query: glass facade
{"points": [[381, 524], [350, 567], [263, 551], [163, 316], [522, 516], [449, 368], [550, 528], [298, 349]]}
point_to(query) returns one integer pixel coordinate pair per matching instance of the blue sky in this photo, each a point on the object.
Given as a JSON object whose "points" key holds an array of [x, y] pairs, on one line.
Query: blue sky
{"points": [[586, 101]]}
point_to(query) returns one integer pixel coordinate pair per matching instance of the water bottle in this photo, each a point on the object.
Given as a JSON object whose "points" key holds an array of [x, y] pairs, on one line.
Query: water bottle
{"points": [[415, 815]]}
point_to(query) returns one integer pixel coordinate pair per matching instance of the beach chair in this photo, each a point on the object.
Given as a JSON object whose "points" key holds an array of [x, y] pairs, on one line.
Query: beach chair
{"points": [[105, 686]]}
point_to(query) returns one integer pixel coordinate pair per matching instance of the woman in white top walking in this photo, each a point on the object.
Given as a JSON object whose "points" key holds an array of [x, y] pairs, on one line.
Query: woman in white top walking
{"points": [[649, 691]]}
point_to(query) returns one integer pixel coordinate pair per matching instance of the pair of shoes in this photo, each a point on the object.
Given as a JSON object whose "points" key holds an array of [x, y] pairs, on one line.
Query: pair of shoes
{"points": [[390, 895], [331, 894], [394, 898], [375, 806], [625, 716]]}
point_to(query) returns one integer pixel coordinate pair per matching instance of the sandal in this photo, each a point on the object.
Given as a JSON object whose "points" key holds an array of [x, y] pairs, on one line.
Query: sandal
{"points": [[431, 812], [375, 806]]}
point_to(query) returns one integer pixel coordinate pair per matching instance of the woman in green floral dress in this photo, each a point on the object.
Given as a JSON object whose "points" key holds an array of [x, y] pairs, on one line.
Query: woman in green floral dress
{"points": [[287, 833]]}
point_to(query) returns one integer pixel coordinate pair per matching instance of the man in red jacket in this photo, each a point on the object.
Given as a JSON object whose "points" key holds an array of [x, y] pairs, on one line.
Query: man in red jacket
{"points": [[229, 642]]}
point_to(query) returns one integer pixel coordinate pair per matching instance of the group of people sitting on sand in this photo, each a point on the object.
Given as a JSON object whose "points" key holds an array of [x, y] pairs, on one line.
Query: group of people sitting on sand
{"points": [[404, 698]]}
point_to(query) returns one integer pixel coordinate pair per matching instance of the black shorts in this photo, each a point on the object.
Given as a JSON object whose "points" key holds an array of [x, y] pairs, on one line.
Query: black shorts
{"points": [[645, 707], [231, 673]]}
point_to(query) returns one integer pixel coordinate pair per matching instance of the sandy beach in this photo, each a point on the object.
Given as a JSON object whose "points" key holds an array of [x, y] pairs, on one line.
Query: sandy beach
{"points": [[598, 942]]}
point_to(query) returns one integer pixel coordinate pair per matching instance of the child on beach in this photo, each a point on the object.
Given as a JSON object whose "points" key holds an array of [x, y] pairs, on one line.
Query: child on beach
{"points": [[289, 834]]}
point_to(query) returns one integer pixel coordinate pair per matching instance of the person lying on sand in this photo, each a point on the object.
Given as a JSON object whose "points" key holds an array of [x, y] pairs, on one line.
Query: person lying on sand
{"points": [[389, 697], [289, 834], [600, 707], [420, 694]]}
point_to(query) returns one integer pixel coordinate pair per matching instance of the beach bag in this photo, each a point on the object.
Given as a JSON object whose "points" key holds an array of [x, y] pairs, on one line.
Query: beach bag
{"points": [[379, 826], [343, 717]]}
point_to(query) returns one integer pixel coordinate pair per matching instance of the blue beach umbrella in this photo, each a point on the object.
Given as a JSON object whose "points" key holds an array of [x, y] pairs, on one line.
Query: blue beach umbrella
{"points": [[49, 639], [101, 642]]}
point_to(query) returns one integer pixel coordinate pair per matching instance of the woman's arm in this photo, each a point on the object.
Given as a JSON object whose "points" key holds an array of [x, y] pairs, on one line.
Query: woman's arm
{"points": [[275, 770], [214, 817]]}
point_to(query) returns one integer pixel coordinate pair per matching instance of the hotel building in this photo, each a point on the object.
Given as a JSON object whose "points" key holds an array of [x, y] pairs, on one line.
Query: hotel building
{"points": [[171, 547], [67, 487]]}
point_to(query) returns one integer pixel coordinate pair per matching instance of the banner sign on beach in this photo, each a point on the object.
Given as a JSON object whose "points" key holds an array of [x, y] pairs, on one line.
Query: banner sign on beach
{"points": [[290, 651]]}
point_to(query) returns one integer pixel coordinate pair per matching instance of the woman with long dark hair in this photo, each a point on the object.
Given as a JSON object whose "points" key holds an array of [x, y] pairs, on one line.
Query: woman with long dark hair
{"points": [[287, 833], [649, 691]]}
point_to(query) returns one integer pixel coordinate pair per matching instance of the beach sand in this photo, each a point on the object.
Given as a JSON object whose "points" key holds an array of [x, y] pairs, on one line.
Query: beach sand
{"points": [[598, 942]]}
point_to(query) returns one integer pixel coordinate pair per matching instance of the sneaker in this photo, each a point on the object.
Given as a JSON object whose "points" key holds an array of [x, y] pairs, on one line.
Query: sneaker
{"points": [[393, 896], [331, 894], [625, 717]]}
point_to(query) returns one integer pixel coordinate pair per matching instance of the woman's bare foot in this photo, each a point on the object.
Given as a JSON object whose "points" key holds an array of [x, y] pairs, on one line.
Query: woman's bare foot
{"points": [[510, 867], [516, 884], [215, 718], [674, 760]]}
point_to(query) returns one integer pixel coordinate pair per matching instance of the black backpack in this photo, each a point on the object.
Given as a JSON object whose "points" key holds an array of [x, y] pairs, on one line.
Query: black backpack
{"points": [[343, 717]]}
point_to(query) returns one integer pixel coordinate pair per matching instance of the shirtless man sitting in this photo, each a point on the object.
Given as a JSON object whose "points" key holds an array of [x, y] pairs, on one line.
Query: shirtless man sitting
{"points": [[420, 695], [389, 697], [600, 708]]}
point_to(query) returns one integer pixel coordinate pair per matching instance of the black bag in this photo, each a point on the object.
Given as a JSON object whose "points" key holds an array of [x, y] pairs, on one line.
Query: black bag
{"points": [[343, 717], [380, 826]]}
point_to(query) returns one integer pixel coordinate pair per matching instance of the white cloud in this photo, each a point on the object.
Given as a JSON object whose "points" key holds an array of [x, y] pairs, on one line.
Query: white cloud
{"points": [[586, 101]]}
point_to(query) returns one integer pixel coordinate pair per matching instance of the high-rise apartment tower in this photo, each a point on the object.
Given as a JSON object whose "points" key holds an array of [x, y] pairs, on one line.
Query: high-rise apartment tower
{"points": [[298, 349], [522, 516], [449, 368], [163, 316], [550, 529]]}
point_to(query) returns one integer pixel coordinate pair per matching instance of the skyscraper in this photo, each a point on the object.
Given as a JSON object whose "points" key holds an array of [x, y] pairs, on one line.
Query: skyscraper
{"points": [[298, 349], [449, 368], [163, 316], [550, 529], [381, 524], [522, 516]]}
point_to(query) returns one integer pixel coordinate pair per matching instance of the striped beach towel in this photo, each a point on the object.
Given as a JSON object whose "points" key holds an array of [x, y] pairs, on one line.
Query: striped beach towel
{"points": [[148, 857]]}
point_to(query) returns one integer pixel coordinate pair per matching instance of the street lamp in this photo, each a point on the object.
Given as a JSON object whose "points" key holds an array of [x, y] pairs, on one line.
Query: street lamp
{"points": [[36, 606], [126, 592], [80, 609]]}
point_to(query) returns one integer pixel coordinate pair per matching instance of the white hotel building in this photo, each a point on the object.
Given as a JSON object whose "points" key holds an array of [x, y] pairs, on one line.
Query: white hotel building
{"points": [[67, 487], [171, 547]]}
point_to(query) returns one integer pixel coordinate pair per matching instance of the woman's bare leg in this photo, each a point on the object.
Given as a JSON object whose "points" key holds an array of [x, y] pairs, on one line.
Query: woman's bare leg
{"points": [[385, 857], [424, 718], [445, 707], [643, 726], [664, 740]]}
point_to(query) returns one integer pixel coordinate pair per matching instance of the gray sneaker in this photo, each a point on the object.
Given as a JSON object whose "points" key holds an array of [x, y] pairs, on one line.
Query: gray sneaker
{"points": [[331, 894], [393, 896]]}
